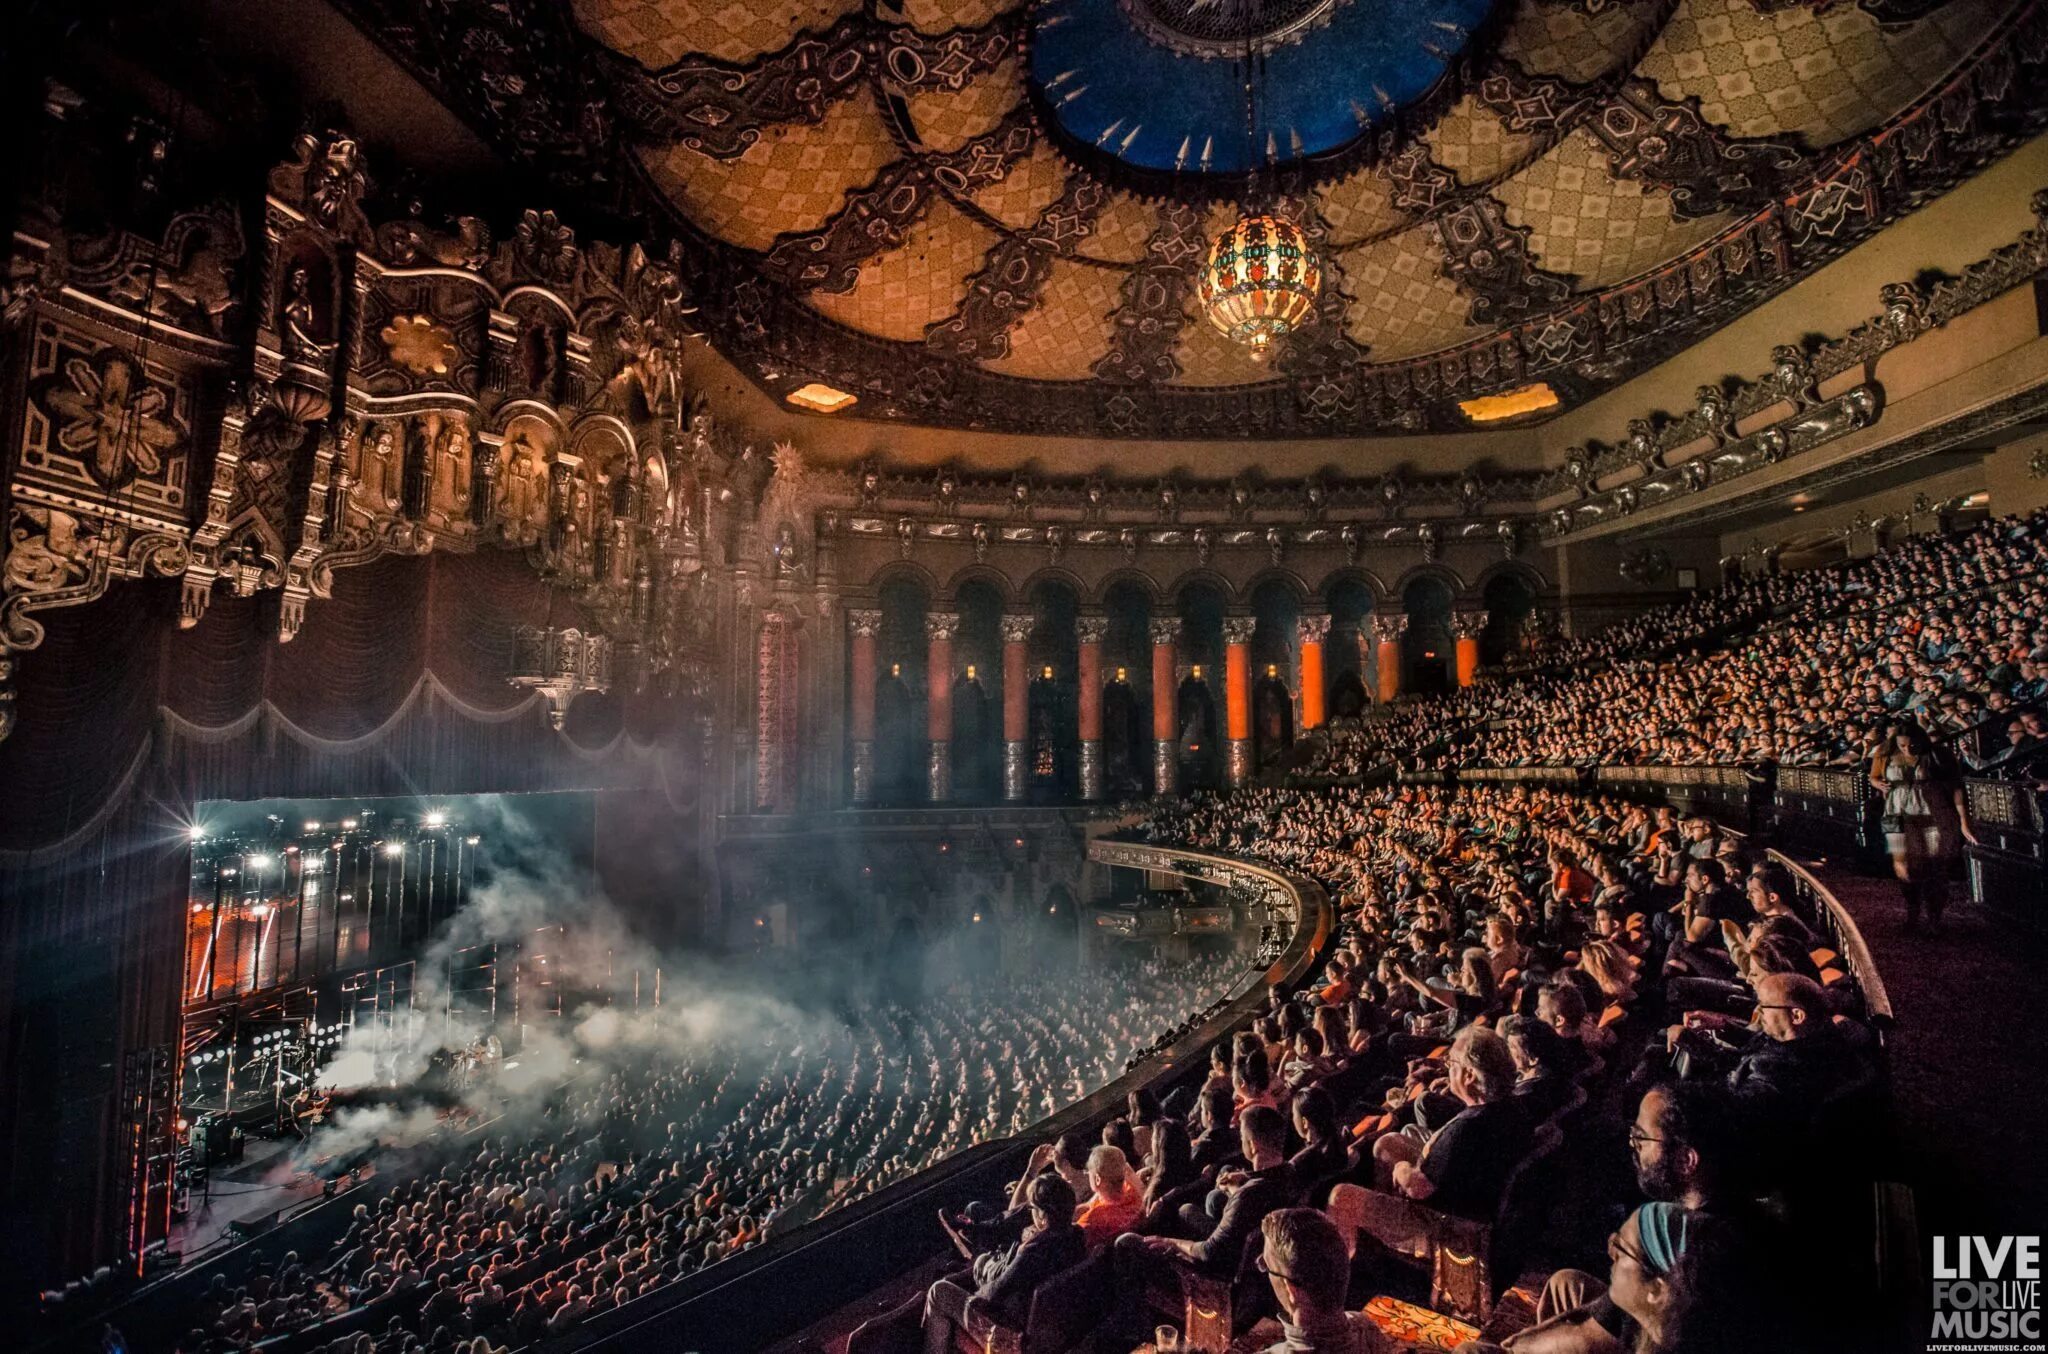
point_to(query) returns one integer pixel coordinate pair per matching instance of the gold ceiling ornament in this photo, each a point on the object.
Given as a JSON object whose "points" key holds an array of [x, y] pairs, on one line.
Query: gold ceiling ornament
{"points": [[1261, 280], [420, 344]]}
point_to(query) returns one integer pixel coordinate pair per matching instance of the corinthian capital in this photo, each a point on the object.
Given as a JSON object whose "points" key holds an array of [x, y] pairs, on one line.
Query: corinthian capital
{"points": [[866, 622]]}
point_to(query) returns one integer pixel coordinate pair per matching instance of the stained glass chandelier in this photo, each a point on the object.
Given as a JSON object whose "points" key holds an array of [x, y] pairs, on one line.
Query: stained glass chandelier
{"points": [[1261, 280]]}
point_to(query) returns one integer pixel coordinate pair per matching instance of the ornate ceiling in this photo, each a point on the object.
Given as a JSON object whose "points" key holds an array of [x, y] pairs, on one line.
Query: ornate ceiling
{"points": [[968, 213]]}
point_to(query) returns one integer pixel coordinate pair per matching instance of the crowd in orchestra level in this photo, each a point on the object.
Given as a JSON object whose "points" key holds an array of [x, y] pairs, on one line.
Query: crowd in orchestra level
{"points": [[694, 1149], [1535, 999]]}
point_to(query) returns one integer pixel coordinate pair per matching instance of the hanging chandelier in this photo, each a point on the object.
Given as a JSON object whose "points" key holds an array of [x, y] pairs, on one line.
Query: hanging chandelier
{"points": [[1261, 280]]}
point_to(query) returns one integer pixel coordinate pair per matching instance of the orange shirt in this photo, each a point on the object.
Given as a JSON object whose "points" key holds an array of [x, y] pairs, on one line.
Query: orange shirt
{"points": [[1104, 1220]]}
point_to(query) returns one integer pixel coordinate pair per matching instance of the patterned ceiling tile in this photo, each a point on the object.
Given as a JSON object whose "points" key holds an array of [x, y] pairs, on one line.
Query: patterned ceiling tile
{"points": [[792, 179], [1585, 222], [1360, 207], [1471, 142], [901, 292], [656, 33], [1400, 305], [1070, 329], [1122, 230], [1827, 76], [936, 16], [948, 119], [1032, 185], [1552, 39], [1207, 358]]}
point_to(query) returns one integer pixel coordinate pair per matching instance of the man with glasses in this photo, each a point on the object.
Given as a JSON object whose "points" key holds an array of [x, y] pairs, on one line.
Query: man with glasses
{"points": [[1303, 1258]]}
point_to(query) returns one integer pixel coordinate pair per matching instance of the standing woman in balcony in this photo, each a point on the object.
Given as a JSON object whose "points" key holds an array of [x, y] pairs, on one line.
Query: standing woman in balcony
{"points": [[1925, 819]]}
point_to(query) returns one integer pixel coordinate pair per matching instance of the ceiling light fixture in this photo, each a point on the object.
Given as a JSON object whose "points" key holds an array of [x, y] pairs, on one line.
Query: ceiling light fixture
{"points": [[1528, 399], [820, 398], [1262, 278]]}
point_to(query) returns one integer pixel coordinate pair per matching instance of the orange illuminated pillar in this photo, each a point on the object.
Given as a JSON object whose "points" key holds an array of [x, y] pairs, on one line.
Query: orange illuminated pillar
{"points": [[939, 629], [1467, 625], [1016, 706], [866, 626], [1312, 631], [1165, 711], [1388, 630], [1237, 696], [1088, 634]]}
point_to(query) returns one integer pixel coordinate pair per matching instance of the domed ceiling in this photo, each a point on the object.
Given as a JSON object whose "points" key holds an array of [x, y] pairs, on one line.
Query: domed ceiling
{"points": [[988, 214]]}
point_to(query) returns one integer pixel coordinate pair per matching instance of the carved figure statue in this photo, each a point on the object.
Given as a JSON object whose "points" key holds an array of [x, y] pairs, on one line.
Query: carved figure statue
{"points": [[302, 333]]}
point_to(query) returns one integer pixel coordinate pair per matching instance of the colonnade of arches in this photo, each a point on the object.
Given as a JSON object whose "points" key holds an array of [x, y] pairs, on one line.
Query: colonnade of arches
{"points": [[1052, 693]]}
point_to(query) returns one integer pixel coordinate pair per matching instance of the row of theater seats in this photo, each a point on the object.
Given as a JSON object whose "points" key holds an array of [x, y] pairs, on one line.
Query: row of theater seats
{"points": [[1543, 1011]]}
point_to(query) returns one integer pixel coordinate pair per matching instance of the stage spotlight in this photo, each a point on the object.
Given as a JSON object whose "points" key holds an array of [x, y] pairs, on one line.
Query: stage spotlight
{"points": [[471, 841], [312, 825], [437, 819], [196, 833], [394, 849], [348, 825], [259, 862], [260, 911]]}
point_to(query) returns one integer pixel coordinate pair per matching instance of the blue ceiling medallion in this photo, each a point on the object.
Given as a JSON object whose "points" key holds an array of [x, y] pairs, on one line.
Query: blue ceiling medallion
{"points": [[1156, 88]]}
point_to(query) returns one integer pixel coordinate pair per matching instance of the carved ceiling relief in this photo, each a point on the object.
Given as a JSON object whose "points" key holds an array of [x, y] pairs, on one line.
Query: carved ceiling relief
{"points": [[1803, 209], [1152, 304], [1490, 260], [874, 218], [1010, 279], [1671, 145]]}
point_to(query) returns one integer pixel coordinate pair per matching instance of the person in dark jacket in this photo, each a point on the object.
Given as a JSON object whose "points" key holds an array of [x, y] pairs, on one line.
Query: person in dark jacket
{"points": [[1217, 1241], [1004, 1280]]}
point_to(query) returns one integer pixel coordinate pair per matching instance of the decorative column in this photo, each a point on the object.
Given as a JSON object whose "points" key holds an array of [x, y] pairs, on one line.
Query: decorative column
{"points": [[939, 629], [1311, 631], [1165, 717], [1237, 696], [1388, 630], [1088, 633], [866, 626], [1466, 625], [1016, 707]]}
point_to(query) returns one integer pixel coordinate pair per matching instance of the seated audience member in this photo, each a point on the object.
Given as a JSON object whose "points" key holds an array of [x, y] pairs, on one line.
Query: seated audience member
{"points": [[1679, 1282], [1323, 1152], [1464, 1166], [1114, 1201], [1218, 1140], [1253, 1083], [1562, 1006], [1788, 1066], [1215, 1242], [1305, 1260], [1005, 1279], [1542, 1082], [1308, 1062], [1170, 1167]]}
